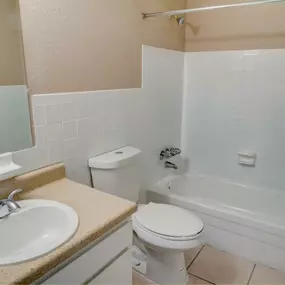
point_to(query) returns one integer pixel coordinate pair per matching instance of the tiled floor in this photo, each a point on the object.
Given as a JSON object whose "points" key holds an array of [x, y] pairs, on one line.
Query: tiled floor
{"points": [[207, 265]]}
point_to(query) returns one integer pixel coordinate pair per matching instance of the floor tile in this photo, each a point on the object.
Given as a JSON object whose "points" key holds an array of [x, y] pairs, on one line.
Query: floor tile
{"points": [[220, 267], [267, 276], [191, 254], [195, 280]]}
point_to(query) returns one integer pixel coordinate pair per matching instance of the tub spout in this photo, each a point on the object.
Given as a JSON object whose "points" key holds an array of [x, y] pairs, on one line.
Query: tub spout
{"points": [[169, 164]]}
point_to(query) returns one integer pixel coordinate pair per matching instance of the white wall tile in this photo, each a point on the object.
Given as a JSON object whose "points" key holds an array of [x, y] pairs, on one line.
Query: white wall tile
{"points": [[41, 136], [114, 139], [70, 148], [54, 132], [83, 107], [39, 115], [53, 113], [87, 127], [69, 130], [234, 102], [69, 111], [56, 152], [78, 171]]}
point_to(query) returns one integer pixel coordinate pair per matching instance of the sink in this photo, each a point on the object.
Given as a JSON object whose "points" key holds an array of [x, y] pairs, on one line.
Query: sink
{"points": [[39, 227]]}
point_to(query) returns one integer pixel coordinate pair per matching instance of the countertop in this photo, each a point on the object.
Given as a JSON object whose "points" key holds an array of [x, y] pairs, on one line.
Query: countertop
{"points": [[98, 213]]}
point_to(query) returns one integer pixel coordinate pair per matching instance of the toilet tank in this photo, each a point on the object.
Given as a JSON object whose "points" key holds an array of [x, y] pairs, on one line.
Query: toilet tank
{"points": [[117, 173]]}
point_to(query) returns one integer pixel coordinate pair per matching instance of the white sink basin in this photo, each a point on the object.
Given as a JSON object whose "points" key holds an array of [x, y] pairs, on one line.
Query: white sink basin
{"points": [[39, 227]]}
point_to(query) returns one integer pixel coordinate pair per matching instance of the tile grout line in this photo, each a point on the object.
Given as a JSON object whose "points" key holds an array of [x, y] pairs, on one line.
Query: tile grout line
{"points": [[202, 279], [250, 276], [195, 257]]}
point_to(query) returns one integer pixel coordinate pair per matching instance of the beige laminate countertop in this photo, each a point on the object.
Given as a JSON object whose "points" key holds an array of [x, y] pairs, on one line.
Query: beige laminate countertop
{"points": [[98, 213]]}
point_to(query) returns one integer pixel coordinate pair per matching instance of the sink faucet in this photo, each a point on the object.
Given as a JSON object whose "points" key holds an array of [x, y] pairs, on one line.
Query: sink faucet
{"points": [[11, 204], [169, 164]]}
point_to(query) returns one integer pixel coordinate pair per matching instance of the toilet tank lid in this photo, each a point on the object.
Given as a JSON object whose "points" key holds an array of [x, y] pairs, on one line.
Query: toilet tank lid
{"points": [[115, 159]]}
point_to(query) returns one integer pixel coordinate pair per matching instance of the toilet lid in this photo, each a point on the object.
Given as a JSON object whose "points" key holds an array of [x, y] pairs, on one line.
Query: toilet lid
{"points": [[169, 220]]}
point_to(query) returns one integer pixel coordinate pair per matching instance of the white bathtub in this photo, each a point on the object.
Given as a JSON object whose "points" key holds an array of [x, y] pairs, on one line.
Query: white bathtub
{"points": [[242, 220]]}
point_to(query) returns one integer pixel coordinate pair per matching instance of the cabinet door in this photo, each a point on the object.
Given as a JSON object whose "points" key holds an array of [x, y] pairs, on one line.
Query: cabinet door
{"points": [[93, 260], [118, 273]]}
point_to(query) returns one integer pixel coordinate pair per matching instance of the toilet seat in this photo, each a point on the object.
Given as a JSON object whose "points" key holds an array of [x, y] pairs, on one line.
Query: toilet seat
{"points": [[167, 226], [169, 221], [142, 228]]}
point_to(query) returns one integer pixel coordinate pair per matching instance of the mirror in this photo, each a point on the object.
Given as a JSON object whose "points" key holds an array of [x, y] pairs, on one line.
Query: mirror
{"points": [[15, 126]]}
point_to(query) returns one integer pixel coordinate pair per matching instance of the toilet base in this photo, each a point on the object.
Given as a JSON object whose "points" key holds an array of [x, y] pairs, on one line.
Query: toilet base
{"points": [[166, 267]]}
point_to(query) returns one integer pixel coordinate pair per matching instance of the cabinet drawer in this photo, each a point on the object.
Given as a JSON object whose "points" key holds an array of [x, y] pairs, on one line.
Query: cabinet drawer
{"points": [[89, 263], [118, 273]]}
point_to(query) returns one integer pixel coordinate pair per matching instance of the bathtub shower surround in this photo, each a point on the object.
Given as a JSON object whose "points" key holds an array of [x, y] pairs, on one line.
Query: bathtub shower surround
{"points": [[73, 127], [234, 102]]}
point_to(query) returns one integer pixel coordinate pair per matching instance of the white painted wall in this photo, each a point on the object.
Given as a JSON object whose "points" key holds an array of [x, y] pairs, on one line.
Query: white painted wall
{"points": [[74, 127], [234, 101]]}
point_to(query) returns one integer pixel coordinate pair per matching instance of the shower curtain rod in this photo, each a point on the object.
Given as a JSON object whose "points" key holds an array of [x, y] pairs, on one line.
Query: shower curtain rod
{"points": [[208, 8]]}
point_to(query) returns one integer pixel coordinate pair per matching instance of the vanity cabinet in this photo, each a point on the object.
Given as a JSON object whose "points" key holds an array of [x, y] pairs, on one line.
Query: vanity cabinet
{"points": [[118, 273], [108, 261]]}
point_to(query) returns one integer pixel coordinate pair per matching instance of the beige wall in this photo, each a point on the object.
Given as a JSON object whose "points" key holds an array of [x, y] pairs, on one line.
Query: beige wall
{"points": [[75, 45], [11, 60], [236, 28]]}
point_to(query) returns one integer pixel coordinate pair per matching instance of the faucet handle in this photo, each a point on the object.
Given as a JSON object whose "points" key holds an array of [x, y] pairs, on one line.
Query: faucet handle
{"points": [[164, 154], [175, 151], [11, 196], [167, 153]]}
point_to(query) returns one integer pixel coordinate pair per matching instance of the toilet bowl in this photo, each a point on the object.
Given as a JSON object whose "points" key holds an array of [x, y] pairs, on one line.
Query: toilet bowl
{"points": [[166, 232], [163, 232]]}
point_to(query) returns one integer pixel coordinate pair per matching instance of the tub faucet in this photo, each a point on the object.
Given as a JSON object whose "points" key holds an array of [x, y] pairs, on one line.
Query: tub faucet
{"points": [[169, 164]]}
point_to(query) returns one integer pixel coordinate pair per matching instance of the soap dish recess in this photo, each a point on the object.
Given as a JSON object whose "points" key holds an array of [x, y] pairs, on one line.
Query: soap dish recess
{"points": [[247, 158]]}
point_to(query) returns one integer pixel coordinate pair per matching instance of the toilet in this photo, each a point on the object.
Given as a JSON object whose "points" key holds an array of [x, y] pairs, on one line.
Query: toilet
{"points": [[162, 233]]}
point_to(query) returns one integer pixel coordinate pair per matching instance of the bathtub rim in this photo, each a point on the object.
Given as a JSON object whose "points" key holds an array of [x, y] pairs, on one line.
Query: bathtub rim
{"points": [[228, 216]]}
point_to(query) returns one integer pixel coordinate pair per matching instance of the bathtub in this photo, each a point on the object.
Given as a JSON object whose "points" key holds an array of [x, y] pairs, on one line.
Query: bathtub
{"points": [[242, 220]]}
